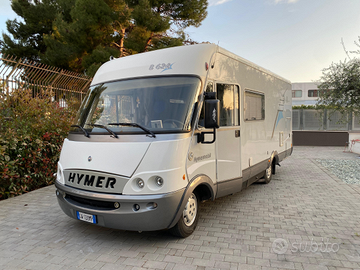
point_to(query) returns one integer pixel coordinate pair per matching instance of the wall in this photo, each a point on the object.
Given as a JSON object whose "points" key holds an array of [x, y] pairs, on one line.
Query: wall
{"points": [[320, 138], [354, 142], [304, 87]]}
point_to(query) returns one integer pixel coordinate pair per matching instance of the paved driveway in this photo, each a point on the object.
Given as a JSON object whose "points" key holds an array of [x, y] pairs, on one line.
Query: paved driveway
{"points": [[305, 218]]}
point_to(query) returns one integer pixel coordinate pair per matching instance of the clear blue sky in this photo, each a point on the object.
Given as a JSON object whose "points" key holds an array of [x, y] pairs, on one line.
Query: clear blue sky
{"points": [[293, 38]]}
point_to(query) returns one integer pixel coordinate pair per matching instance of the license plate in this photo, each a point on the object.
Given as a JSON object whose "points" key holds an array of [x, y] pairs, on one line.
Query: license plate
{"points": [[86, 217]]}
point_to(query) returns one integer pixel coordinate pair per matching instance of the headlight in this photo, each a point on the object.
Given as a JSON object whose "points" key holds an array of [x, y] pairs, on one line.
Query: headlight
{"points": [[159, 181], [58, 173], [155, 183], [140, 183]]}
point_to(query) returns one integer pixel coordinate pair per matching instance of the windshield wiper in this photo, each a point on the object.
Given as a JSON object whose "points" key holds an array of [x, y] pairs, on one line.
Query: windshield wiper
{"points": [[108, 130], [134, 125], [82, 129]]}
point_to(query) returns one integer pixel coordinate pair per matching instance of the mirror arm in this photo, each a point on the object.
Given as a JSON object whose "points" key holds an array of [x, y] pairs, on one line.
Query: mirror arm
{"points": [[201, 137]]}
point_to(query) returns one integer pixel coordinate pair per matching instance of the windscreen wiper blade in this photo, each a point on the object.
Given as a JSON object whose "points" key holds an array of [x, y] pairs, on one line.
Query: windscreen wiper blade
{"points": [[134, 125], [82, 129], [107, 129]]}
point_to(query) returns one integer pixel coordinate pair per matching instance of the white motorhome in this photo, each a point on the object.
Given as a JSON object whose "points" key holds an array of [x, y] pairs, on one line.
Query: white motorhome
{"points": [[161, 131]]}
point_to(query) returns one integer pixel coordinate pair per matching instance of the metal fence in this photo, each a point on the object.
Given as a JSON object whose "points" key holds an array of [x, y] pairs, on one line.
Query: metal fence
{"points": [[16, 73], [323, 120]]}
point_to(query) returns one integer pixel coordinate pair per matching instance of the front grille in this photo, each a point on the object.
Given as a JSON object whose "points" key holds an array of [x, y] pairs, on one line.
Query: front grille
{"points": [[94, 204]]}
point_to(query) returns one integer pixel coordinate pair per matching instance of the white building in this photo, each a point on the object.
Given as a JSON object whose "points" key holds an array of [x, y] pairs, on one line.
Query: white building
{"points": [[305, 93]]}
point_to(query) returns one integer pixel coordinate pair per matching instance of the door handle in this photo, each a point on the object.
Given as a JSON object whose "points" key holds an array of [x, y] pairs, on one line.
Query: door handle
{"points": [[237, 133]]}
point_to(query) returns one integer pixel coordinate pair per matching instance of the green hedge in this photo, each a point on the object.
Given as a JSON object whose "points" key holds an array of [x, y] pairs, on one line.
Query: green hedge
{"points": [[31, 134], [313, 107]]}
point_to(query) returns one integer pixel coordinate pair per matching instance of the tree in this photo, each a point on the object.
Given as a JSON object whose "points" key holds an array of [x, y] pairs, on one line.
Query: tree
{"points": [[80, 35], [28, 33], [83, 38], [340, 87]]}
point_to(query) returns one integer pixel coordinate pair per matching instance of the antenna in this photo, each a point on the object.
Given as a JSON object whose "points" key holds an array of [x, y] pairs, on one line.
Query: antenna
{"points": [[217, 50]]}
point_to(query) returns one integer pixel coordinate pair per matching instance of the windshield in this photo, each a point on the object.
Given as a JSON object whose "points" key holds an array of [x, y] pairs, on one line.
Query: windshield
{"points": [[153, 105]]}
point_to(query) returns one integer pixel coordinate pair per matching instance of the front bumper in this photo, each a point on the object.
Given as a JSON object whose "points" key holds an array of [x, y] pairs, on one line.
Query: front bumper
{"points": [[126, 217]]}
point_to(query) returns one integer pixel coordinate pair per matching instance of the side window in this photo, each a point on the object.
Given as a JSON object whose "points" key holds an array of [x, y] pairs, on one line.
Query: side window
{"points": [[228, 95], [209, 88], [296, 93], [237, 105], [313, 93], [254, 106]]}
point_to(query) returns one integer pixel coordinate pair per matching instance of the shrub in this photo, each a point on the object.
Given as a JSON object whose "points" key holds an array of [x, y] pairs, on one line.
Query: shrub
{"points": [[31, 134]]}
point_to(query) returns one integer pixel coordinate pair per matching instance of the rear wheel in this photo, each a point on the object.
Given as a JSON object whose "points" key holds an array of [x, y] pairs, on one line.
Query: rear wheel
{"points": [[189, 218], [268, 174]]}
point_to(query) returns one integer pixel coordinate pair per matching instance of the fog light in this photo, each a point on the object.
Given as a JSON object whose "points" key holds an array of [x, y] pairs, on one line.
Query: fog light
{"points": [[57, 193], [140, 183], [116, 205], [152, 205], [159, 181], [136, 207]]}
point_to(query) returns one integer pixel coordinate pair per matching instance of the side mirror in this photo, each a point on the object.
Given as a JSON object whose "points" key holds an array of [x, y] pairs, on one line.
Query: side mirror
{"points": [[211, 119], [212, 116]]}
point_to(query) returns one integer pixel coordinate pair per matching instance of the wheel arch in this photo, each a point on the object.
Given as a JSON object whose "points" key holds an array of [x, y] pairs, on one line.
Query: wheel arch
{"points": [[274, 159], [203, 187]]}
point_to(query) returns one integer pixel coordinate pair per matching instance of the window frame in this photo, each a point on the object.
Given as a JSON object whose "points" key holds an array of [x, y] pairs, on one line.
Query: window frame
{"points": [[293, 93], [189, 117], [215, 83], [263, 105], [239, 102], [201, 109], [314, 91]]}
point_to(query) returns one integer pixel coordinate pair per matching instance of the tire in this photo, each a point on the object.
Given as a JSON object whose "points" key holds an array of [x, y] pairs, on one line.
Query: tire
{"points": [[189, 218], [268, 174]]}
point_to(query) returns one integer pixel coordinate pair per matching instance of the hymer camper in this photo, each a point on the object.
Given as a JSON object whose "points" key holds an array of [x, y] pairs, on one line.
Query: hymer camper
{"points": [[161, 131]]}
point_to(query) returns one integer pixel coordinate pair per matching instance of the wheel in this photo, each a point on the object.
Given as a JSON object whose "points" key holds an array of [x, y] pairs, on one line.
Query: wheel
{"points": [[189, 218], [268, 174]]}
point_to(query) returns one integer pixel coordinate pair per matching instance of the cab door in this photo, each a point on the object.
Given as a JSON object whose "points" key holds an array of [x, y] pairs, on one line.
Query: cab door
{"points": [[228, 142]]}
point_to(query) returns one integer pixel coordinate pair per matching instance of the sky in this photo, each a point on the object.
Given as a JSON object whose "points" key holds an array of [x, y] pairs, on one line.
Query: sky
{"points": [[295, 39]]}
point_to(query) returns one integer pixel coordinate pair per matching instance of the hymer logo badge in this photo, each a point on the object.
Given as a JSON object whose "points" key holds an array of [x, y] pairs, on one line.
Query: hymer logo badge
{"points": [[92, 180]]}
